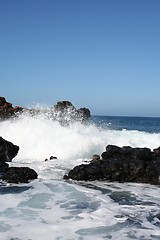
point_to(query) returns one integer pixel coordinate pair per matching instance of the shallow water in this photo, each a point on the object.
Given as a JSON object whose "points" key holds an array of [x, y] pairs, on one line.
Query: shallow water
{"points": [[54, 209]]}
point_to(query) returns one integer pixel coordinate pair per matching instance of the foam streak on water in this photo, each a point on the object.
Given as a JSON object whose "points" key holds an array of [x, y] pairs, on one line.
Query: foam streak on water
{"points": [[50, 208], [58, 210]]}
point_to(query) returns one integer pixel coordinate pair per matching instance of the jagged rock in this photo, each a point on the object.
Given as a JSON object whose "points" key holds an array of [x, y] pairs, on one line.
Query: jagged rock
{"points": [[65, 112], [127, 152], [7, 150], [6, 109], [125, 164]]}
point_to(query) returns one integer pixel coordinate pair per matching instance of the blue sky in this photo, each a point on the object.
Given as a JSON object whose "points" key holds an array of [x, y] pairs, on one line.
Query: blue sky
{"points": [[99, 54]]}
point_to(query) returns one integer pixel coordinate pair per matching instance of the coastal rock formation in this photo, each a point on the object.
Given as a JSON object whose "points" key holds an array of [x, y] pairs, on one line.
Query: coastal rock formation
{"points": [[62, 111], [65, 112], [13, 174], [18, 175], [126, 164], [7, 150], [6, 109]]}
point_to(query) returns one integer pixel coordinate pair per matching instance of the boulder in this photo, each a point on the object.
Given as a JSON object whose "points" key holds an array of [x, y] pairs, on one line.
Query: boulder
{"points": [[84, 113], [13, 174], [125, 164], [19, 175]]}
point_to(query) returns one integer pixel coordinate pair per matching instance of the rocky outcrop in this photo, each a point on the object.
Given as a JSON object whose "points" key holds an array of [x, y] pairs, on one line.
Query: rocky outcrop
{"points": [[6, 109], [126, 164], [7, 150], [63, 111], [13, 174], [18, 175]]}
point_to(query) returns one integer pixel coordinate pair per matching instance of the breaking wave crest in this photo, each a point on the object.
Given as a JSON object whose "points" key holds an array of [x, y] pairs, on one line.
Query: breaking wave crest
{"points": [[40, 137]]}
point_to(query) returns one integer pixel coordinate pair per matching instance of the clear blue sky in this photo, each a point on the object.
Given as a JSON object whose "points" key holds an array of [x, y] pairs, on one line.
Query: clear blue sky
{"points": [[100, 54]]}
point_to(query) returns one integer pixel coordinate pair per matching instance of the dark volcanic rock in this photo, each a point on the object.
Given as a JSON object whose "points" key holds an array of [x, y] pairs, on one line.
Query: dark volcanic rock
{"points": [[52, 157], [127, 152], [124, 164], [156, 152], [19, 175], [6, 109], [13, 174], [95, 157], [84, 113], [7, 150], [3, 167], [63, 106], [65, 112]]}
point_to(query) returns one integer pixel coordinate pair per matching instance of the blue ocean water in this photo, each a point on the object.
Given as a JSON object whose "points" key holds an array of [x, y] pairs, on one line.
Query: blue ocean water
{"points": [[145, 124], [52, 208]]}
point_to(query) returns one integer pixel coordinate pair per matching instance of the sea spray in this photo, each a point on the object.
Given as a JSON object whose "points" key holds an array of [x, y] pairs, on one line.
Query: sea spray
{"points": [[39, 138]]}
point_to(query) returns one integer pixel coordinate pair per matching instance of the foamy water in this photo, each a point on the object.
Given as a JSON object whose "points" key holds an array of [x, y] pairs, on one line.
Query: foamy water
{"points": [[51, 208], [39, 138]]}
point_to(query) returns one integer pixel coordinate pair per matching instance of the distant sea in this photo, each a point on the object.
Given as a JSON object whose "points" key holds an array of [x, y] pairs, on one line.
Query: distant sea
{"points": [[52, 208], [145, 124]]}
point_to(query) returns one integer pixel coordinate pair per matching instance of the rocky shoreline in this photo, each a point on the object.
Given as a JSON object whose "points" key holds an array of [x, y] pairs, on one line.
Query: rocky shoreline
{"points": [[63, 111], [121, 164], [126, 164]]}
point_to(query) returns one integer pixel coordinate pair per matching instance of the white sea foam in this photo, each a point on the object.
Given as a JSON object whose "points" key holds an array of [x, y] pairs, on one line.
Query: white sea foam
{"points": [[50, 208], [39, 138], [58, 210]]}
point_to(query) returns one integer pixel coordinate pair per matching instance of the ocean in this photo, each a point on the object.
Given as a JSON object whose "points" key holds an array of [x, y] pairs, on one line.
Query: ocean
{"points": [[52, 208]]}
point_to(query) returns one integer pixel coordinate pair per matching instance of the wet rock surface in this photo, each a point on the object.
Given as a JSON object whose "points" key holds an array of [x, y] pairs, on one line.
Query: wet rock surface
{"points": [[126, 164], [13, 174], [63, 111], [19, 175]]}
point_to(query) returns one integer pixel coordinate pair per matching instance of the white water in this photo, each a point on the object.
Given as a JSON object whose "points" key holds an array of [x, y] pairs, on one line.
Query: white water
{"points": [[39, 138], [50, 208]]}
